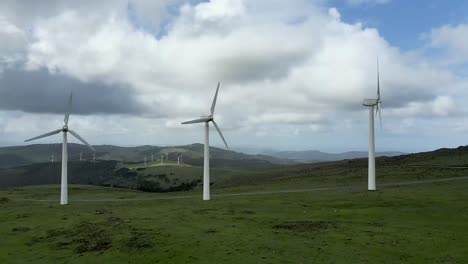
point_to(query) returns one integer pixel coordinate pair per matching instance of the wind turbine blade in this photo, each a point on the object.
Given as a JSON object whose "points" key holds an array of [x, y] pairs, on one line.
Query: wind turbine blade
{"points": [[81, 139], [201, 120], [378, 80], [67, 114], [45, 135], [221, 134], [213, 105]]}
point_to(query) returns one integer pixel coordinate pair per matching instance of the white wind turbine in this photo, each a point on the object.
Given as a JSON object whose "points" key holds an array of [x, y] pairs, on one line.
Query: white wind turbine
{"points": [[371, 103], [65, 130], [206, 164]]}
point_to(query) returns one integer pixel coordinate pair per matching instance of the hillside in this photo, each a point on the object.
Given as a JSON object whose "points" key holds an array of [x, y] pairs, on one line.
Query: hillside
{"points": [[156, 177], [317, 156], [191, 154]]}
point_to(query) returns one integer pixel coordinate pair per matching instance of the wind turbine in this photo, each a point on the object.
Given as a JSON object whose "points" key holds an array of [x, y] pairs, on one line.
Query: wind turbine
{"points": [[371, 103], [206, 163], [65, 130]]}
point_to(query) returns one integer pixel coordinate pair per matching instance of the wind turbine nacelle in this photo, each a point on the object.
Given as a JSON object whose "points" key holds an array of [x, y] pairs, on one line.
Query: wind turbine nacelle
{"points": [[370, 102], [65, 129], [210, 118]]}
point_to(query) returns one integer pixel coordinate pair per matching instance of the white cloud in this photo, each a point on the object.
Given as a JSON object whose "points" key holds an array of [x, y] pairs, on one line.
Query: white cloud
{"points": [[280, 63], [452, 38], [291, 118], [442, 106], [367, 2], [219, 9], [12, 41]]}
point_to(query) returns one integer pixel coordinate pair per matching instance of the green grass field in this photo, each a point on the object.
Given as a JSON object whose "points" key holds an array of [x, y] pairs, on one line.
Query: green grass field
{"points": [[422, 223], [425, 223]]}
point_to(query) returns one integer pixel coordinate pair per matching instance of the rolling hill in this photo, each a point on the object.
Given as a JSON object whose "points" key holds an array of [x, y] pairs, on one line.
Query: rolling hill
{"points": [[192, 154], [318, 156], [232, 170]]}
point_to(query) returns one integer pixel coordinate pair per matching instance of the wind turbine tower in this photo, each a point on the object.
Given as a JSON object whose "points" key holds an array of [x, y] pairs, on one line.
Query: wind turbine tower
{"points": [[64, 130], [206, 164], [373, 103]]}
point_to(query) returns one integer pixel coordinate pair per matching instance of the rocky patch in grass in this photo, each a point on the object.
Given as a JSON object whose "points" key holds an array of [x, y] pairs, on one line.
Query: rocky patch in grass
{"points": [[88, 237], [211, 231], [139, 239], [21, 216], [305, 226], [83, 237], [204, 211], [20, 229], [102, 211], [91, 237]]}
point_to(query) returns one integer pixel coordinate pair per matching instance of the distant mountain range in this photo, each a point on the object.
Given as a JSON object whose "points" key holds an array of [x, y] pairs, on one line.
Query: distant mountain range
{"points": [[191, 154], [318, 156]]}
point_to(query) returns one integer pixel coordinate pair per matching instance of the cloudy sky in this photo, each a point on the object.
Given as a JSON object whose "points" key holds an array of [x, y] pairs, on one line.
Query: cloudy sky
{"points": [[293, 73]]}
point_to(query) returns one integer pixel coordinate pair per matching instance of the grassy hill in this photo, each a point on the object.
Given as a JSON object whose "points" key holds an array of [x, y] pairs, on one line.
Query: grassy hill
{"points": [[192, 154], [399, 224], [250, 219], [237, 172]]}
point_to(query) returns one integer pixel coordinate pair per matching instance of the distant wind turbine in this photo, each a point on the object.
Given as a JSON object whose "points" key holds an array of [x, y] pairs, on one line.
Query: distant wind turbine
{"points": [[65, 130], [371, 103], [206, 164]]}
